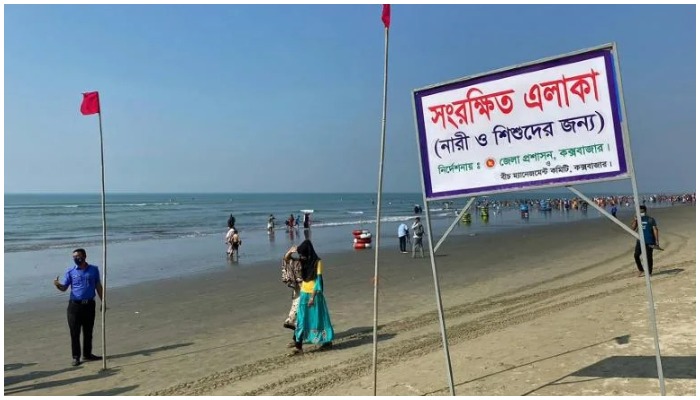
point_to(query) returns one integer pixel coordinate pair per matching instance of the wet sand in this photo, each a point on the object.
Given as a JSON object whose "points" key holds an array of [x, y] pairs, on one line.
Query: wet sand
{"points": [[548, 310]]}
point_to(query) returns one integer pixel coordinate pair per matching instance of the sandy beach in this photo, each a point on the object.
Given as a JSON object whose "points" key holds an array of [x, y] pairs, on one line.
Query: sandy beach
{"points": [[547, 310]]}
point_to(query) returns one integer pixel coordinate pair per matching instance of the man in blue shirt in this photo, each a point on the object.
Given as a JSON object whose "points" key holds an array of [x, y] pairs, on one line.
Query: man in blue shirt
{"points": [[651, 240], [83, 280], [403, 236]]}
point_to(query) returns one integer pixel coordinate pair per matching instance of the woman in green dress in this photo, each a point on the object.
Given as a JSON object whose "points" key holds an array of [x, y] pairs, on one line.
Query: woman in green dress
{"points": [[313, 320]]}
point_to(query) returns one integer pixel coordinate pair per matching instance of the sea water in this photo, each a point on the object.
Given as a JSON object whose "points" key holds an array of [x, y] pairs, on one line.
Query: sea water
{"points": [[159, 236]]}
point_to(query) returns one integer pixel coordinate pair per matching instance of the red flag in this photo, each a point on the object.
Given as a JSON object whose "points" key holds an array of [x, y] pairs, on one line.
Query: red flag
{"points": [[386, 15], [91, 103]]}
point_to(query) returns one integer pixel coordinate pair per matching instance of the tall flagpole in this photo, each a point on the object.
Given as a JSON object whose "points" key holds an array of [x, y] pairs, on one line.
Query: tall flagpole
{"points": [[104, 250], [379, 207]]}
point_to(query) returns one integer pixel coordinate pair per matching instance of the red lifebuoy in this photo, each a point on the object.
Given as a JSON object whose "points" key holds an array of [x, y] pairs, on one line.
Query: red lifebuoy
{"points": [[362, 240], [357, 232], [362, 245]]}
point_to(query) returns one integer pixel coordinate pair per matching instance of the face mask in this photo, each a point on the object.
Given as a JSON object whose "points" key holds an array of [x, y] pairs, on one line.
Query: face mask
{"points": [[78, 261]]}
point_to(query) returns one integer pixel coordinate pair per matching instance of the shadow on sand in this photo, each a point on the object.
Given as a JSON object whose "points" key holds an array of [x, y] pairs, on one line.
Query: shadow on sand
{"points": [[149, 352], [674, 367], [111, 392], [354, 337], [62, 382]]}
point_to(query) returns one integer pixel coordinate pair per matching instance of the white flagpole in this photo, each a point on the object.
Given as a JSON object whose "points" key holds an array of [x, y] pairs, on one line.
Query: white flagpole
{"points": [[104, 250], [379, 206]]}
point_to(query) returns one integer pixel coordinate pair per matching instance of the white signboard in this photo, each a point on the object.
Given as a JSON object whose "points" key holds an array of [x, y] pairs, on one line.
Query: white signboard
{"points": [[551, 123]]}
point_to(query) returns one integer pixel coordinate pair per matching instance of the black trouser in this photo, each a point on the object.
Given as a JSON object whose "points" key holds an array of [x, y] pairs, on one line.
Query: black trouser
{"points": [[402, 243], [81, 315], [638, 258]]}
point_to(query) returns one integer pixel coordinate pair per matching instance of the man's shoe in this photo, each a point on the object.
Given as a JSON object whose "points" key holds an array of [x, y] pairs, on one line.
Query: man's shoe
{"points": [[76, 362], [91, 357]]}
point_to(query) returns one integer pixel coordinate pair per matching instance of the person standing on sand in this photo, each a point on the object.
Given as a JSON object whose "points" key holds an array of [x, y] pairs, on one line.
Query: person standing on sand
{"points": [[651, 240], [291, 276], [313, 320], [403, 236], [417, 237], [83, 280]]}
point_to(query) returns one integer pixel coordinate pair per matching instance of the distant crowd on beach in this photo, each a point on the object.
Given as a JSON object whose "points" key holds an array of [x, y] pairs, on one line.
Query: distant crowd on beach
{"points": [[233, 241], [290, 223], [610, 203], [483, 205]]}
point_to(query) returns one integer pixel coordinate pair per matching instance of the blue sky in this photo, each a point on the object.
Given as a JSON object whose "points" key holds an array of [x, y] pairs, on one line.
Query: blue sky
{"points": [[288, 98]]}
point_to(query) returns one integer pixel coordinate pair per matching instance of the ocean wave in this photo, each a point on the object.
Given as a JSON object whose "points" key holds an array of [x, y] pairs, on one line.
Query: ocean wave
{"points": [[39, 206], [356, 212], [89, 205], [63, 243], [364, 221], [239, 214], [63, 213], [160, 204]]}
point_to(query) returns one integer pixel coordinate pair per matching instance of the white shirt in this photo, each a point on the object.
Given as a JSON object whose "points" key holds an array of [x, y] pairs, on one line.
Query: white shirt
{"points": [[229, 235], [414, 226], [403, 230]]}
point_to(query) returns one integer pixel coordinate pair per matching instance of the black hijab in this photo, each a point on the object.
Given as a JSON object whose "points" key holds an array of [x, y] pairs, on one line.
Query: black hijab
{"points": [[309, 258]]}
